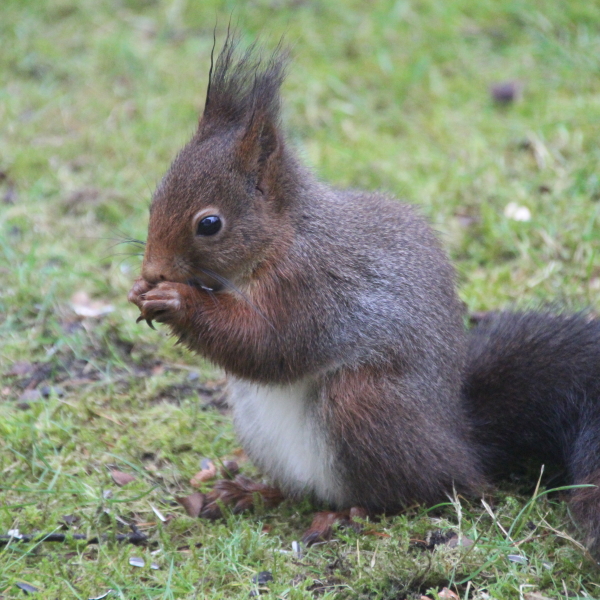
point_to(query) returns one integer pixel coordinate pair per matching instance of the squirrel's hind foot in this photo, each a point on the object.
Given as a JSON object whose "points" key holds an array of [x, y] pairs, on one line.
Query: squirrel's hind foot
{"points": [[321, 528], [239, 494]]}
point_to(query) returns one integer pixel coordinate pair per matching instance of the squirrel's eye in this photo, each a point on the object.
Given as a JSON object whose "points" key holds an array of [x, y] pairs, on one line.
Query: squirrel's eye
{"points": [[209, 225]]}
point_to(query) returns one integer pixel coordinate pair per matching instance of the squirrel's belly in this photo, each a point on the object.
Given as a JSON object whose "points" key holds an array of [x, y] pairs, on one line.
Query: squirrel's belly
{"points": [[281, 432]]}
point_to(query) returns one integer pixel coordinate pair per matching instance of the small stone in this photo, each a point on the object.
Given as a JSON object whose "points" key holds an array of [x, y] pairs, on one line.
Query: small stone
{"points": [[49, 390], [192, 504], [506, 91], [230, 469], [263, 578], [517, 213]]}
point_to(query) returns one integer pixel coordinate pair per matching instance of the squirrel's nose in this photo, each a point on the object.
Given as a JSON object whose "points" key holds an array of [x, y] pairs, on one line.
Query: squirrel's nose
{"points": [[154, 272]]}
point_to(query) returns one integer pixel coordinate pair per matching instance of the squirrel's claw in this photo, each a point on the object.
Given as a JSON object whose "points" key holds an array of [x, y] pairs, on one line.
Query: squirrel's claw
{"points": [[159, 303], [138, 289], [149, 321], [240, 495]]}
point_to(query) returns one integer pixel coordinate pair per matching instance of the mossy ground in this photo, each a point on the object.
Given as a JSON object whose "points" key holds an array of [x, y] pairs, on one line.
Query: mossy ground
{"points": [[96, 97]]}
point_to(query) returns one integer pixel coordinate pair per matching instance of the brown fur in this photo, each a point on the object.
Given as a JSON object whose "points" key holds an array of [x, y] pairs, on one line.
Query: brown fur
{"points": [[365, 409], [351, 292], [239, 494], [585, 508], [297, 292]]}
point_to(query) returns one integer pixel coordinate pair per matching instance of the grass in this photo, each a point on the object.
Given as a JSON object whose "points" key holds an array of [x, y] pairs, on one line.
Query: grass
{"points": [[96, 97]]}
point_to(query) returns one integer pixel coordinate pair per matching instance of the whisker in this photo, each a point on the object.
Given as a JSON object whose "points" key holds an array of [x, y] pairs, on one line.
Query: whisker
{"points": [[126, 254], [132, 241], [124, 236], [124, 259], [116, 240]]}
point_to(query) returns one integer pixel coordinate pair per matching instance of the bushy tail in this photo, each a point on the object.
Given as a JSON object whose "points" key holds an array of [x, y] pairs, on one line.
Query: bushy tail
{"points": [[533, 388]]}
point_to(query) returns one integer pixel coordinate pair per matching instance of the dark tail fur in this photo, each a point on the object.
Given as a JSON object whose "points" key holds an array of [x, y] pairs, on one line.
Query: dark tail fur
{"points": [[533, 388]]}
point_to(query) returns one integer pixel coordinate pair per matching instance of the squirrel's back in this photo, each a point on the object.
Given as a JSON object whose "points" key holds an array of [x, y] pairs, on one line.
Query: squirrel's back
{"points": [[377, 264]]}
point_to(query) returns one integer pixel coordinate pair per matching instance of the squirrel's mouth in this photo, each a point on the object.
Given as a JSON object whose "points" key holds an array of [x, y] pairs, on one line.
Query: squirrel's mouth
{"points": [[209, 281], [206, 286]]}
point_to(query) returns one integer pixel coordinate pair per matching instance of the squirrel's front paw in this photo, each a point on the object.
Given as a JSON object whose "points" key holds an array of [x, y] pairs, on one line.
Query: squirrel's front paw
{"points": [[162, 303], [140, 286]]}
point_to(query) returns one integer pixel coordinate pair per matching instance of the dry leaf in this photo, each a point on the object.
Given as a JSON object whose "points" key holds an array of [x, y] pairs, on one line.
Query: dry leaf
{"points": [[84, 306], [240, 455], [30, 396], [69, 521], [380, 534], [192, 504], [463, 541], [208, 472], [446, 593], [158, 369], [21, 368], [535, 596], [121, 478]]}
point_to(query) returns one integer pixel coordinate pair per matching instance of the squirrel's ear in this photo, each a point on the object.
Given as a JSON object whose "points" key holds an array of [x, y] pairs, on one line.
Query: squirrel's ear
{"points": [[258, 146]]}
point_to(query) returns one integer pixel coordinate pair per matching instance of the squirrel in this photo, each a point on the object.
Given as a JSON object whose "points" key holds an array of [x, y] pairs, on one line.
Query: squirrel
{"points": [[352, 376]]}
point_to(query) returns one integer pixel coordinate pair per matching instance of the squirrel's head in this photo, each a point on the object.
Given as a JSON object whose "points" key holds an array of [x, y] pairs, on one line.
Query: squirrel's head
{"points": [[219, 212]]}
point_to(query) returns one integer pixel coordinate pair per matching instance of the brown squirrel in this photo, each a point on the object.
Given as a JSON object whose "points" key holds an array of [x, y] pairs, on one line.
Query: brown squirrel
{"points": [[335, 315]]}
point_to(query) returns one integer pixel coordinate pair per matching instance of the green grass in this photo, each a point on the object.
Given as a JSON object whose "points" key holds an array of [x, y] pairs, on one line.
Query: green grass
{"points": [[96, 97]]}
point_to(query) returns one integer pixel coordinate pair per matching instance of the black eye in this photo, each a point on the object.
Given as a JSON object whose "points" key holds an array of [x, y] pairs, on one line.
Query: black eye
{"points": [[209, 225]]}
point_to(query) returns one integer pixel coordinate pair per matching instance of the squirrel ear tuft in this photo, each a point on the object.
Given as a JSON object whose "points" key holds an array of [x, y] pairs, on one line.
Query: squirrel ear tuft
{"points": [[259, 143], [243, 89]]}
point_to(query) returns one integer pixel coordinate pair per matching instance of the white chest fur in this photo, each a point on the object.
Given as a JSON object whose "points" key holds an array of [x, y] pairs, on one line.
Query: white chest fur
{"points": [[279, 428]]}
